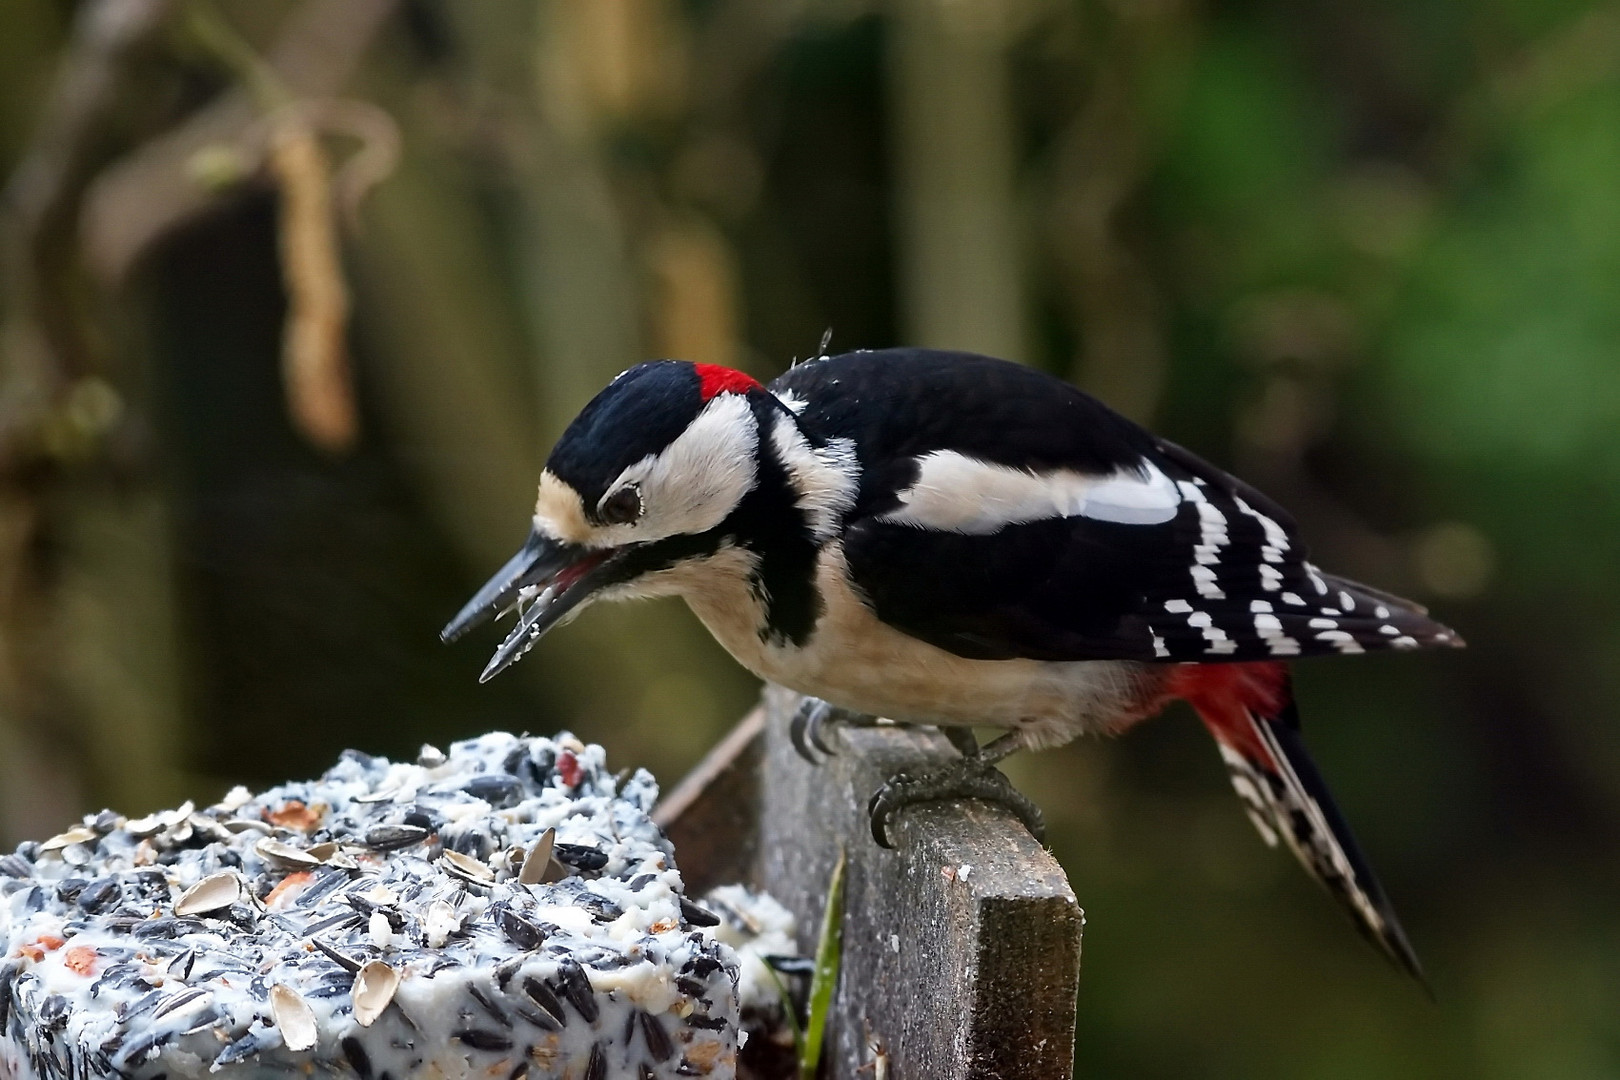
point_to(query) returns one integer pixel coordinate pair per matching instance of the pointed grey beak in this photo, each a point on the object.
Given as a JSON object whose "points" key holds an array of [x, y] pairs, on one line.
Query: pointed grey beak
{"points": [[549, 576]]}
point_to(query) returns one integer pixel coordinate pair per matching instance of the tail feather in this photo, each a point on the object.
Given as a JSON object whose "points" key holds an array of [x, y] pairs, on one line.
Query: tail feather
{"points": [[1250, 710]]}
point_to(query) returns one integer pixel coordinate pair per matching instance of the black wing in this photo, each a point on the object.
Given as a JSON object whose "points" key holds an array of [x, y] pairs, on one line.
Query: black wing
{"points": [[1225, 579]]}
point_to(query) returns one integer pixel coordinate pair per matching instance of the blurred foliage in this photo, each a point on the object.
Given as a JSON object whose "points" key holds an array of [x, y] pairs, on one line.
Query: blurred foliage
{"points": [[1364, 254]]}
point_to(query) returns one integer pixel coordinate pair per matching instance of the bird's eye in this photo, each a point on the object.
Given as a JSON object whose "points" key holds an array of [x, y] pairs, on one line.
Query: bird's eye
{"points": [[622, 507]]}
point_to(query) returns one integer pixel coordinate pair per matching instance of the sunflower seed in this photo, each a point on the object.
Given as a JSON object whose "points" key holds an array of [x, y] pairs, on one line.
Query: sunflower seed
{"points": [[359, 1060], [242, 825], [439, 923], [245, 1047], [152, 824], [482, 1040], [393, 837], [698, 916], [522, 933], [658, 1044], [335, 956], [500, 791], [577, 989], [542, 996], [100, 895], [581, 856], [193, 997]]}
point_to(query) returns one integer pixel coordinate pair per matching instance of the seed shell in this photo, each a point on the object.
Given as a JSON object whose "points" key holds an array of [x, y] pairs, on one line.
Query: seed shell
{"points": [[538, 860], [465, 866], [281, 853], [78, 835], [374, 986], [294, 1017], [212, 893]]}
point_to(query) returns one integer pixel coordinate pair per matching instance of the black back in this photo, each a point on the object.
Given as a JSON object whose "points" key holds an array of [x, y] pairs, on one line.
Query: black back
{"points": [[1071, 588]]}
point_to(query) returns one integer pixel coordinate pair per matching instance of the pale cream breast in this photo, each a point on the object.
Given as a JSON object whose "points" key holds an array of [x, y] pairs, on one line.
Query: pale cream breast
{"points": [[858, 662]]}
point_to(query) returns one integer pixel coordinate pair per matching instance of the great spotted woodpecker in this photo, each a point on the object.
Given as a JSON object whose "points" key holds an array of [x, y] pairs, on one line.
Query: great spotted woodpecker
{"points": [[945, 538]]}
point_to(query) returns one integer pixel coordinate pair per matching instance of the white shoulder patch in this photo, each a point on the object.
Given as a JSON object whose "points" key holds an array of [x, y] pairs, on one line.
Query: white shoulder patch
{"points": [[825, 479], [957, 493], [794, 402]]}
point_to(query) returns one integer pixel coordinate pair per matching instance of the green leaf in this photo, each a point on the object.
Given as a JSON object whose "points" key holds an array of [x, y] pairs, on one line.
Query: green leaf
{"points": [[829, 951]]}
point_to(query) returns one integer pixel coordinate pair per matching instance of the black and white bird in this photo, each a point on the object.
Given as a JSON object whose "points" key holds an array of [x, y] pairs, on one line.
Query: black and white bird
{"points": [[944, 538]]}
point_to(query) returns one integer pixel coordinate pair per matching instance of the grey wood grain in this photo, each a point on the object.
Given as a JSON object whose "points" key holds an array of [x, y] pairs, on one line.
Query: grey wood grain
{"points": [[961, 946]]}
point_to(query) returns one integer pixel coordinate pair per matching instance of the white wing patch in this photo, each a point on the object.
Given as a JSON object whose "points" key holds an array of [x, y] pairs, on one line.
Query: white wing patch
{"points": [[957, 493]]}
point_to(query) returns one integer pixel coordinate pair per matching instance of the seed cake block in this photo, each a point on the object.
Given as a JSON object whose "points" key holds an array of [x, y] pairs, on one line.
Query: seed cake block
{"points": [[505, 910]]}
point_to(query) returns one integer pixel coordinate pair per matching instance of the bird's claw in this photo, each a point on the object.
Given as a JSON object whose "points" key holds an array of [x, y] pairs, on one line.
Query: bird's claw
{"points": [[969, 778], [807, 730]]}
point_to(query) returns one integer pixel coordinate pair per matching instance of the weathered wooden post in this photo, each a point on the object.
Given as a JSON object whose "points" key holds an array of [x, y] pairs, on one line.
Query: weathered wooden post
{"points": [[961, 946]]}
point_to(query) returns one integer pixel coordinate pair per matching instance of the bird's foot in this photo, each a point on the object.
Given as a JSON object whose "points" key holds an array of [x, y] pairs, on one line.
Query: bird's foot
{"points": [[811, 721], [973, 777]]}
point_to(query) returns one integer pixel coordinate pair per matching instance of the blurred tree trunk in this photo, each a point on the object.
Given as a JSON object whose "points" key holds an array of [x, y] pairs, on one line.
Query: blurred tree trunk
{"points": [[1103, 157], [90, 676], [961, 252], [87, 632], [581, 296]]}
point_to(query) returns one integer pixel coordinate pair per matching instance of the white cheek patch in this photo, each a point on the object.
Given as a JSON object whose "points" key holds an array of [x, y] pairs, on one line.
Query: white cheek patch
{"points": [[957, 493], [696, 481]]}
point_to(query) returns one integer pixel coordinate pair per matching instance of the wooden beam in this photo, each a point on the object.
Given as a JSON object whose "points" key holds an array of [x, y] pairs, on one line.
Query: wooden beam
{"points": [[712, 816]]}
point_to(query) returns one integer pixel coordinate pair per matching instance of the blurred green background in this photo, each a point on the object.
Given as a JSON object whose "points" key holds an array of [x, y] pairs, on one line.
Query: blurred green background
{"points": [[296, 295]]}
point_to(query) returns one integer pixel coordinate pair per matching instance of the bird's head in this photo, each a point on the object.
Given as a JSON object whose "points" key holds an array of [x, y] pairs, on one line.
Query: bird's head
{"points": [[642, 481]]}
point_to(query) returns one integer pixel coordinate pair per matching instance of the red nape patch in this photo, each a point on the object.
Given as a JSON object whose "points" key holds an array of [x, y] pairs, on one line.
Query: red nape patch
{"points": [[1224, 695], [722, 380]]}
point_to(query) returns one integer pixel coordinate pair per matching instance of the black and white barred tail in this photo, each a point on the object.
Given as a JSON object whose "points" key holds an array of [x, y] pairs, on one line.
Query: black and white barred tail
{"points": [[1250, 710]]}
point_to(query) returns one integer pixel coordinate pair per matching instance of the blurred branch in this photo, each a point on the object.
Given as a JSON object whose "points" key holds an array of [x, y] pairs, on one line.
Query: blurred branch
{"points": [[315, 359], [315, 363], [1581, 54], [210, 30], [89, 670], [44, 343], [153, 190]]}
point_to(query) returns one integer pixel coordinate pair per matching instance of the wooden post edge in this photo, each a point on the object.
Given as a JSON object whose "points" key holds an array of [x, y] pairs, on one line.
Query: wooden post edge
{"points": [[961, 946]]}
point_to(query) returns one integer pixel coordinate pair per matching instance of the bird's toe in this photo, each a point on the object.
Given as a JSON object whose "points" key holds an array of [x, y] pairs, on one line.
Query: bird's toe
{"points": [[965, 779]]}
